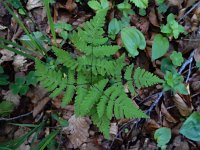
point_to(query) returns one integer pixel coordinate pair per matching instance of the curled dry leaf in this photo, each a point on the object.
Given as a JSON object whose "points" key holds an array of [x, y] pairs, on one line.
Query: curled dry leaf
{"points": [[70, 5], [9, 96], [113, 129], [167, 115], [19, 62], [33, 4], [183, 108], [6, 55], [40, 106], [153, 18], [77, 131], [36, 94]]}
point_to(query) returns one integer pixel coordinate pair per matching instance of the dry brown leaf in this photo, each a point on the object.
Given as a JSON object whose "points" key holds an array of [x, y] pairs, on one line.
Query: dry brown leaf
{"points": [[167, 115], [174, 2], [183, 108], [70, 5], [40, 106], [197, 55], [153, 18], [77, 131], [33, 4], [36, 94], [9, 96], [6, 55], [19, 62]]}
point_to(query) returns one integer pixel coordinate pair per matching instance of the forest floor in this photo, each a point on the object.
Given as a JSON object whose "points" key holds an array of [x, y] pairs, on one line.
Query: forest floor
{"points": [[165, 108]]}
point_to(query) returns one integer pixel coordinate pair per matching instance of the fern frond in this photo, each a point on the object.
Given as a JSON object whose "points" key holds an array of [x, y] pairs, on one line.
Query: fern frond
{"points": [[98, 65], [102, 123], [105, 50], [65, 58], [144, 78], [93, 96], [91, 33], [128, 77], [50, 79], [81, 92], [70, 89]]}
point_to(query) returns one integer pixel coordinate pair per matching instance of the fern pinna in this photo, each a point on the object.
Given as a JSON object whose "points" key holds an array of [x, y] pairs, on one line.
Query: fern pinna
{"points": [[93, 78]]}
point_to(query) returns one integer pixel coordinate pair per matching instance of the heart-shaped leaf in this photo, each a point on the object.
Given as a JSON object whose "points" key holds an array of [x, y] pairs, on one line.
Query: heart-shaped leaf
{"points": [[160, 46]]}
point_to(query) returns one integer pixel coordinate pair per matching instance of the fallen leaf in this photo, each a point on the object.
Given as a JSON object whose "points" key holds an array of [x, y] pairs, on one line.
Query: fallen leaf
{"points": [[153, 18], [34, 4], [40, 106], [183, 108], [9, 96], [19, 62], [77, 131], [6, 55], [2, 27], [167, 115], [70, 5]]}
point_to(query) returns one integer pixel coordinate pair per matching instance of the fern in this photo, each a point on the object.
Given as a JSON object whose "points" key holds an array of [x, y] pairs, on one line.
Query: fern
{"points": [[93, 78], [144, 78]]}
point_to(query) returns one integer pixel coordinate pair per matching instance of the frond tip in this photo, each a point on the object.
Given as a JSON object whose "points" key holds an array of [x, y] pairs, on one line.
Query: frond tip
{"points": [[143, 78]]}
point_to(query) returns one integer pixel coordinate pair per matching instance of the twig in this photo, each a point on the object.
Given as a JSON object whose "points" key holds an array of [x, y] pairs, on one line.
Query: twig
{"points": [[191, 9], [186, 63], [17, 117]]}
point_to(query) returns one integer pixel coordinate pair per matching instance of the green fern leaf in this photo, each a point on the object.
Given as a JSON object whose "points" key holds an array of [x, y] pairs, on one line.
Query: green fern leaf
{"points": [[144, 78], [70, 89], [65, 58], [93, 96], [128, 77]]}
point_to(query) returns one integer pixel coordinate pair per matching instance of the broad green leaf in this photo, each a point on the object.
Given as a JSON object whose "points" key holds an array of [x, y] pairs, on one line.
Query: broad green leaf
{"points": [[160, 46], [94, 5], [191, 127], [140, 3], [104, 4], [6, 107], [133, 39], [162, 136]]}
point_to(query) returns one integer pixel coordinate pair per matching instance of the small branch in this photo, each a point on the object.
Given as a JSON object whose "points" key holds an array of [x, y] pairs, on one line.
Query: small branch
{"points": [[188, 12], [17, 117]]}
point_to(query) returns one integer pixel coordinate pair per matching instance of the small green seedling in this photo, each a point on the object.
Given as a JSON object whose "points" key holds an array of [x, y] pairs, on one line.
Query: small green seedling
{"points": [[177, 58], [140, 3], [162, 136], [6, 107], [21, 85], [172, 28], [174, 82]]}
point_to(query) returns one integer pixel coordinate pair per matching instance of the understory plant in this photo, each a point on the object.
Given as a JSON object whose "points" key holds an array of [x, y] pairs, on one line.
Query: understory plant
{"points": [[90, 76], [93, 78]]}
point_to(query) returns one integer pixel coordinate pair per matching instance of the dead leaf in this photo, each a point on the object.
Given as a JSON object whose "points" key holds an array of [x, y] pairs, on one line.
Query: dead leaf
{"points": [[9, 96], [174, 2], [36, 94], [167, 115], [6, 55], [34, 4], [197, 55], [77, 131], [153, 18], [183, 108], [70, 5], [40, 106], [19, 62], [2, 27]]}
